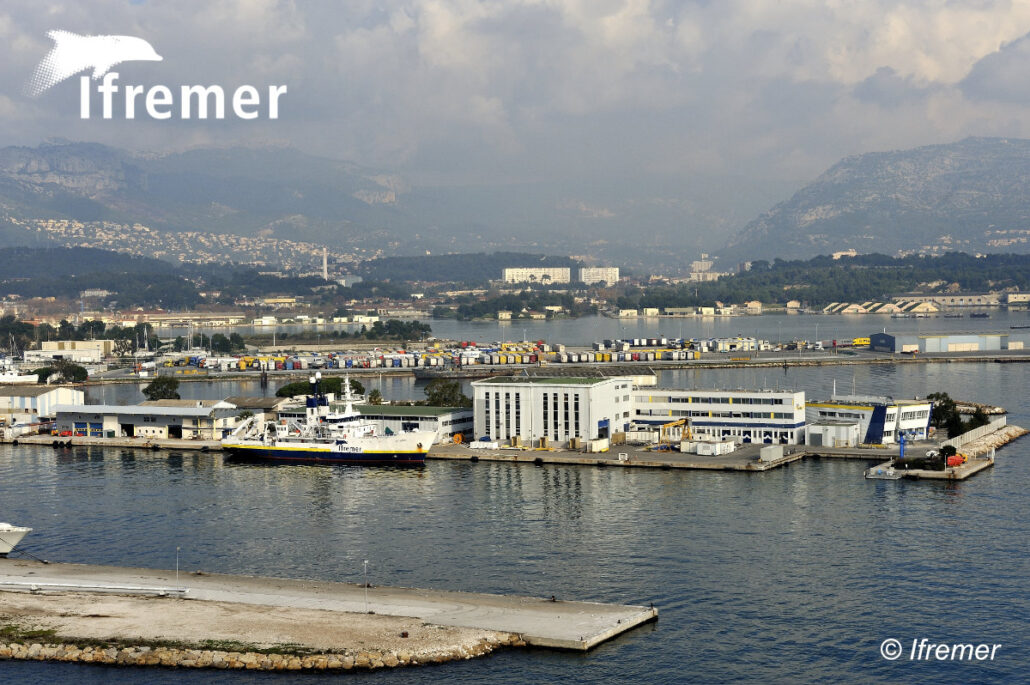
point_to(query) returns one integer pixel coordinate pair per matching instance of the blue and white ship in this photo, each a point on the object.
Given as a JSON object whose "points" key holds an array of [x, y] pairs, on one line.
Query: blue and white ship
{"points": [[323, 436]]}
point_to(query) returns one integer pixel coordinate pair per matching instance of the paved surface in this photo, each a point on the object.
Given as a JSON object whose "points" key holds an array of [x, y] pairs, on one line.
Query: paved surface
{"points": [[624, 456], [542, 622]]}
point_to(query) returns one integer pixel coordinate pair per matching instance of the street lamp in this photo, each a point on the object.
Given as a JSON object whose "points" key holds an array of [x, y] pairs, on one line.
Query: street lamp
{"points": [[366, 585]]}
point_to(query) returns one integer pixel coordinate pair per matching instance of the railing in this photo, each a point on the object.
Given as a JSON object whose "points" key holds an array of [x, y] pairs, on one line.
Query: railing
{"points": [[976, 433]]}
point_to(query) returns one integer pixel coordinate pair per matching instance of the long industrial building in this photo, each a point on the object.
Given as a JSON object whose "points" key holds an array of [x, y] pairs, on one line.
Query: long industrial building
{"points": [[760, 416], [538, 274], [923, 343]]}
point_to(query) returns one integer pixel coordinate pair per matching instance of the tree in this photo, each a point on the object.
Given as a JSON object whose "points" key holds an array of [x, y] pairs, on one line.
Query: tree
{"points": [[375, 397], [220, 344], [943, 408], [333, 384], [441, 392], [162, 388], [979, 418]]}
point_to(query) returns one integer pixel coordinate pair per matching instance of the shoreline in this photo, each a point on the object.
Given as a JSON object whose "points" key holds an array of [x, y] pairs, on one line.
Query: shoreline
{"points": [[139, 616], [135, 631]]}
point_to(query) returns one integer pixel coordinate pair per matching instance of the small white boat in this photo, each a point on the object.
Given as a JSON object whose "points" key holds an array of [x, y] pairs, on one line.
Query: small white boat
{"points": [[883, 472], [11, 536]]}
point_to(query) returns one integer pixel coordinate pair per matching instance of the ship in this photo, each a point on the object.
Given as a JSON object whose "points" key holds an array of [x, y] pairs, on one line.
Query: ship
{"points": [[343, 437]]}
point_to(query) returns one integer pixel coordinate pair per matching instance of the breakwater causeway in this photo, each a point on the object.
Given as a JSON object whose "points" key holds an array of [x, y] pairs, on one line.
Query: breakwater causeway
{"points": [[151, 617]]}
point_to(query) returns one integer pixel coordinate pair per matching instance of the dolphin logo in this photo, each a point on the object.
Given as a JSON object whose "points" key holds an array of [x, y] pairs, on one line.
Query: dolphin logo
{"points": [[73, 53]]}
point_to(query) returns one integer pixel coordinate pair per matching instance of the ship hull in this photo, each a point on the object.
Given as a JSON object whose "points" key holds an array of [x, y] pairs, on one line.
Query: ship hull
{"points": [[408, 449], [10, 537], [327, 456]]}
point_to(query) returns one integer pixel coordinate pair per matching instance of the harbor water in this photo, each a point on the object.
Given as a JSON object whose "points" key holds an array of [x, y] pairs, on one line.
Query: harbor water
{"points": [[794, 575], [589, 329]]}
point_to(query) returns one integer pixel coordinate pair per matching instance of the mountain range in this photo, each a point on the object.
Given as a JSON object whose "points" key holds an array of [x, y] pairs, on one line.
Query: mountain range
{"points": [[286, 194], [971, 196]]}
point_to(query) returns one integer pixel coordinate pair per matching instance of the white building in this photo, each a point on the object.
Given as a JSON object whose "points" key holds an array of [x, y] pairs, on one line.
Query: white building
{"points": [[558, 409], [147, 421], [78, 351], [879, 419], [599, 274], [538, 274], [761, 416], [30, 403]]}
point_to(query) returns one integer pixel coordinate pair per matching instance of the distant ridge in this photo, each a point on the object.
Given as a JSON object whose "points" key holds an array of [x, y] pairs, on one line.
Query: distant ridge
{"points": [[973, 195]]}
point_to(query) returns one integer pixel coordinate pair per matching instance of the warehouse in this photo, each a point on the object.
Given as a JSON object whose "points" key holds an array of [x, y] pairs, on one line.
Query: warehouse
{"points": [[446, 421], [923, 343], [761, 416], [562, 411], [30, 403], [147, 421]]}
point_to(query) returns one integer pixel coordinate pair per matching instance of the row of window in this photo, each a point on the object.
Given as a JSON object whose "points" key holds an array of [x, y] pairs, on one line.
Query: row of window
{"points": [[716, 414], [910, 415], [691, 399]]}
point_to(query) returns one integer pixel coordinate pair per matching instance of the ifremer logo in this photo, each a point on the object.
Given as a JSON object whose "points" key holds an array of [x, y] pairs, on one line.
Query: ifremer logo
{"points": [[73, 53]]}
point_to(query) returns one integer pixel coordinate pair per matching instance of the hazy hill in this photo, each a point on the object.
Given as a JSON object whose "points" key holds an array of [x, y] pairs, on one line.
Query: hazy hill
{"points": [[275, 192], [286, 194], [973, 195]]}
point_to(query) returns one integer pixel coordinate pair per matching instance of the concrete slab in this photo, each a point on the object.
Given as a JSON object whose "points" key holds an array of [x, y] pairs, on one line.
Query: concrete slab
{"points": [[542, 622]]}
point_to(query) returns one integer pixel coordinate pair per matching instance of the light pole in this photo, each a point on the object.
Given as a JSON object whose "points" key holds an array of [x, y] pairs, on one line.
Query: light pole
{"points": [[366, 585]]}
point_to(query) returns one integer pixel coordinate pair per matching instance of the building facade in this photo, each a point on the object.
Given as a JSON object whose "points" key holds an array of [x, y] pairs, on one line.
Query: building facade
{"points": [[538, 274], [599, 274], [146, 421], [939, 342], [32, 403], [760, 416], [80, 351], [880, 420], [445, 421], [562, 410]]}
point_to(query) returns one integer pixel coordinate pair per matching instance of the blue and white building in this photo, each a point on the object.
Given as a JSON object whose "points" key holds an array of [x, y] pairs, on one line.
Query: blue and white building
{"points": [[880, 420]]}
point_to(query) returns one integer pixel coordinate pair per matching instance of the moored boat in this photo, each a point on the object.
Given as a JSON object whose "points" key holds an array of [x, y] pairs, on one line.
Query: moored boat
{"points": [[323, 436], [10, 536]]}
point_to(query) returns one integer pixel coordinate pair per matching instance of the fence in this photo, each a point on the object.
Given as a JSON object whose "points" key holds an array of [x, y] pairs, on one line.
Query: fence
{"points": [[976, 433]]}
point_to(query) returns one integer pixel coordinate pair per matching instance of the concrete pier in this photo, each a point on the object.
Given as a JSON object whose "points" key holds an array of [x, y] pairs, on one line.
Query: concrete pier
{"points": [[623, 456], [557, 623]]}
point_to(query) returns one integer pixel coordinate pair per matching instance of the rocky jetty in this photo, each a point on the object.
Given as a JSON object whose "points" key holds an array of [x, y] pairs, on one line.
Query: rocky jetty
{"points": [[251, 661]]}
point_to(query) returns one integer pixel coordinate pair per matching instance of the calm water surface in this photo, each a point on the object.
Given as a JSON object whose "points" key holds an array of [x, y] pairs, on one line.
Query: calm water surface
{"points": [[795, 575]]}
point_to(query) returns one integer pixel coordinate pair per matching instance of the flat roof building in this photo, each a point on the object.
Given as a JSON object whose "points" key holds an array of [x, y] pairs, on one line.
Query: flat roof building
{"points": [[591, 275], [880, 420], [938, 342], [760, 416], [146, 421], [31, 403], [537, 274], [559, 409]]}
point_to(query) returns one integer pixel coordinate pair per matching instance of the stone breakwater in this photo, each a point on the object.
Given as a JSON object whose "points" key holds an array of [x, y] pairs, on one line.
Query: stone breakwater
{"points": [[251, 661]]}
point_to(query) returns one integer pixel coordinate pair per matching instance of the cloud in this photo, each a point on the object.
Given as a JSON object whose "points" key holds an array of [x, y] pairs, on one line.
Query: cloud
{"points": [[1002, 76], [465, 91]]}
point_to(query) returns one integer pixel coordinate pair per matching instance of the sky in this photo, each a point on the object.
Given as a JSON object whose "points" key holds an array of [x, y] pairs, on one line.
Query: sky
{"points": [[518, 91]]}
